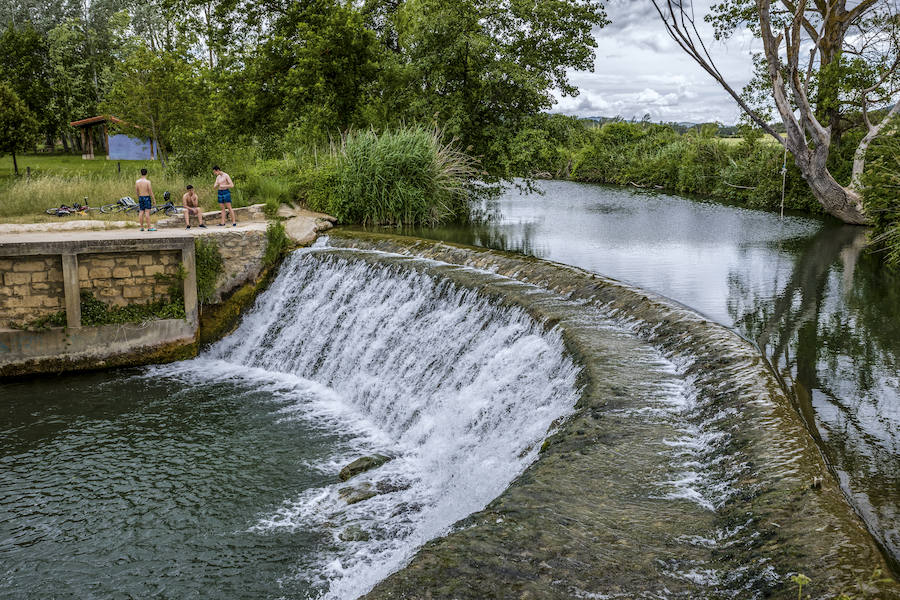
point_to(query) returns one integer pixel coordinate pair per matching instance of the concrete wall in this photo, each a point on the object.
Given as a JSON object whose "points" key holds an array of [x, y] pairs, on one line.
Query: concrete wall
{"points": [[42, 274], [45, 274]]}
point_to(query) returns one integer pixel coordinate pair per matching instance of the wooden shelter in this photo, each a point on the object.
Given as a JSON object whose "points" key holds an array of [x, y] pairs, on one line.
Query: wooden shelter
{"points": [[90, 125]]}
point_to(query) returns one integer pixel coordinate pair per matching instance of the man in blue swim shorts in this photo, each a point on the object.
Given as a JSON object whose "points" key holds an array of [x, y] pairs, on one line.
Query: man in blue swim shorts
{"points": [[223, 187], [144, 191]]}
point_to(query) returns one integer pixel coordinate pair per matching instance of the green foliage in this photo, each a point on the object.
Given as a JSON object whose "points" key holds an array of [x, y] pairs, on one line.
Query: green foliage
{"points": [[94, 312], [57, 319], [156, 92], [655, 156], [406, 176], [18, 128], [881, 194], [276, 243], [209, 266], [800, 579]]}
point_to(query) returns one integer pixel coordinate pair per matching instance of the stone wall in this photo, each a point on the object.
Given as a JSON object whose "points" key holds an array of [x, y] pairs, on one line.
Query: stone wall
{"points": [[32, 287], [119, 279], [242, 254]]}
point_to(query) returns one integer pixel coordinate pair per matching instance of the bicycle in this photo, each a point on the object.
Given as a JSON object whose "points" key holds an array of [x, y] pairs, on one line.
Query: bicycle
{"points": [[65, 210], [127, 204]]}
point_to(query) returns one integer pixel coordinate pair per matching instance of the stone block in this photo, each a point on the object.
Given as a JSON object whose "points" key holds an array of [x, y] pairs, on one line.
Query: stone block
{"points": [[128, 262], [145, 259], [33, 301], [39, 277], [99, 272], [28, 266], [40, 287], [108, 293], [132, 292], [82, 272], [6, 264], [121, 272], [52, 302], [152, 270], [16, 278], [103, 262], [21, 290]]}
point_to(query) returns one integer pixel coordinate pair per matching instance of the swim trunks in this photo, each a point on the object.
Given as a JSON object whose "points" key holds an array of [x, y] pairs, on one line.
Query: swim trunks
{"points": [[224, 196], [144, 203]]}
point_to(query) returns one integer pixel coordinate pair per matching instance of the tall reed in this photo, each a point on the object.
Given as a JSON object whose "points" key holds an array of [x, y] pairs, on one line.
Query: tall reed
{"points": [[406, 176]]}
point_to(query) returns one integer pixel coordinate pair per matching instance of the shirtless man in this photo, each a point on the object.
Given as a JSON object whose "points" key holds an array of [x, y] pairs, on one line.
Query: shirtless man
{"points": [[191, 204], [144, 192], [223, 188]]}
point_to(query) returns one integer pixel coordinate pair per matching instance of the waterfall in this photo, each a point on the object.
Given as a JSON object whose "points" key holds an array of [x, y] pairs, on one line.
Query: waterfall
{"points": [[459, 390]]}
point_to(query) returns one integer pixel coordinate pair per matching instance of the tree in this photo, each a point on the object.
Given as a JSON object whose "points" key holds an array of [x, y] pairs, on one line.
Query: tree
{"points": [[24, 64], [155, 92], [18, 128], [482, 67], [809, 99]]}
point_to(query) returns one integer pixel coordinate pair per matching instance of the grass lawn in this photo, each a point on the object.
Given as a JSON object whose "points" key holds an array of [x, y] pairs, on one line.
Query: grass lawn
{"points": [[58, 179]]}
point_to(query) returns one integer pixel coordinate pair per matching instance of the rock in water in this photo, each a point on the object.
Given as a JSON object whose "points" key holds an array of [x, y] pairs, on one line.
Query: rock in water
{"points": [[352, 495], [361, 465]]}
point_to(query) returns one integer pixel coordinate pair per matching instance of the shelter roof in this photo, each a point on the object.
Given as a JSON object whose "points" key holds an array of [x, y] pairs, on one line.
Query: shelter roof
{"points": [[95, 121]]}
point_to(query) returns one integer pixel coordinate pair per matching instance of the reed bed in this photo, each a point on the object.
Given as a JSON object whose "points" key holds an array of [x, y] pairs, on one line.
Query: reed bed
{"points": [[406, 176]]}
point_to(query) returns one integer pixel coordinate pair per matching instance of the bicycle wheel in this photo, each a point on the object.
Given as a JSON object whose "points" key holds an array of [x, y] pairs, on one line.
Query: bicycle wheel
{"points": [[174, 211], [52, 211], [111, 208]]}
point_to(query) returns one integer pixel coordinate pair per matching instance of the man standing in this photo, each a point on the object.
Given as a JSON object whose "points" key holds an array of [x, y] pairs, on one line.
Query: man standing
{"points": [[191, 204], [223, 189], [145, 200]]}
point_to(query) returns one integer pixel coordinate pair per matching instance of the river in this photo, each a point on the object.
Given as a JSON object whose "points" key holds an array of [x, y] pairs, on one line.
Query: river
{"points": [[804, 289]]}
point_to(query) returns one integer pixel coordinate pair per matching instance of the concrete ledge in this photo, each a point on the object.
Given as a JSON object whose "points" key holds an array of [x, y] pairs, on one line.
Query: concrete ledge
{"points": [[57, 349]]}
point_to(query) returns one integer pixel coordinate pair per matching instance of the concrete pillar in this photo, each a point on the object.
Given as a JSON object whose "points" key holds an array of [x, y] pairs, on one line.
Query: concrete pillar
{"points": [[72, 290], [189, 262]]}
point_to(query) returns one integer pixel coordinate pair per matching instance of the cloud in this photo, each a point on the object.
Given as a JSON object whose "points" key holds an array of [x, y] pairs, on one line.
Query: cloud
{"points": [[639, 69]]}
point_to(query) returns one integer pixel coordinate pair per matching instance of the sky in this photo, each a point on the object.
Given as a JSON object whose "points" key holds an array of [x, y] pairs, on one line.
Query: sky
{"points": [[639, 69]]}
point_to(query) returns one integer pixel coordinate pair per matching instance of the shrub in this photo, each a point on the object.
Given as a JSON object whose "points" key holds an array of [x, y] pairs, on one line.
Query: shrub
{"points": [[209, 266], [406, 176], [276, 243], [881, 184]]}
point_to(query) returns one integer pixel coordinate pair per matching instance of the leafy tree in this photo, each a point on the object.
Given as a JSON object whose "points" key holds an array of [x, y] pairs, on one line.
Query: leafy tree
{"points": [[156, 92], [317, 65], [18, 128], [482, 67], [854, 58], [24, 65]]}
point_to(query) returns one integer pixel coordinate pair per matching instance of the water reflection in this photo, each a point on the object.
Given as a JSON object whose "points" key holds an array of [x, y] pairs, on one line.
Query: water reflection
{"points": [[819, 307]]}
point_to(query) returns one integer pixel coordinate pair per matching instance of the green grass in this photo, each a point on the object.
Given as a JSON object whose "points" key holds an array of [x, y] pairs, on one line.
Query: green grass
{"points": [[58, 179]]}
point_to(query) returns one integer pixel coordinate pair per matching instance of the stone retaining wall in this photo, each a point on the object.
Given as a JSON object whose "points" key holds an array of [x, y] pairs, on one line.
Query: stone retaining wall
{"points": [[119, 279], [32, 287]]}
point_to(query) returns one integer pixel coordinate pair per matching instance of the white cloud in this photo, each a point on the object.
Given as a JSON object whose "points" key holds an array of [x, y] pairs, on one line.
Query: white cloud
{"points": [[639, 69]]}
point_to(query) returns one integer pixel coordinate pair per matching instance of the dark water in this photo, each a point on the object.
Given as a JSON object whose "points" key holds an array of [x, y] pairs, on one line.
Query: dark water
{"points": [[803, 288], [124, 485]]}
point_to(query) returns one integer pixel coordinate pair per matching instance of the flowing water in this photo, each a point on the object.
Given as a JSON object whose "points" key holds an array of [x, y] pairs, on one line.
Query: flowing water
{"points": [[803, 288], [217, 477]]}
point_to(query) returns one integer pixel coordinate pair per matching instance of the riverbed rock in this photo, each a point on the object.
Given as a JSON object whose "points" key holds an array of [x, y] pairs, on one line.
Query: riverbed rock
{"points": [[362, 464], [354, 533], [355, 494]]}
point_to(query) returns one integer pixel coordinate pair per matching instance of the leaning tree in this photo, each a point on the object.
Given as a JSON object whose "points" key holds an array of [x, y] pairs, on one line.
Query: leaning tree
{"points": [[820, 56]]}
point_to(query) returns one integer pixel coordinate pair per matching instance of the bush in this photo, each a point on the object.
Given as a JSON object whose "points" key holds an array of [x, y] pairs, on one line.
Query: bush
{"points": [[406, 176], [276, 243], [881, 184], [209, 266]]}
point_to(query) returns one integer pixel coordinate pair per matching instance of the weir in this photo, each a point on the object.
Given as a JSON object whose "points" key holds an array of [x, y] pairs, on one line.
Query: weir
{"points": [[696, 478]]}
